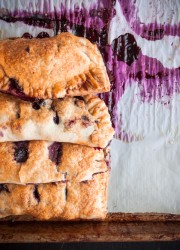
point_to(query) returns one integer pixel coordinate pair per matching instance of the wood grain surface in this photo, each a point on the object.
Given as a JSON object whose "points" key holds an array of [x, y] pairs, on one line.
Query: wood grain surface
{"points": [[114, 229]]}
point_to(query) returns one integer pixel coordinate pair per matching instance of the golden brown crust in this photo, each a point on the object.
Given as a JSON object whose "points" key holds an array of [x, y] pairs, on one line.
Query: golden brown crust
{"points": [[98, 109], [75, 163], [90, 197], [69, 119], [53, 67], [67, 201], [42, 201]]}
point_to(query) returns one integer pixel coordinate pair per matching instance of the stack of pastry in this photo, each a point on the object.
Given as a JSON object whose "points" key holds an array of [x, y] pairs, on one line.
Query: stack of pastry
{"points": [[54, 130]]}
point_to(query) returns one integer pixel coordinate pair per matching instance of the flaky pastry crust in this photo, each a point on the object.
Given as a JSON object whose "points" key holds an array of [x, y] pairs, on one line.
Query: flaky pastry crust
{"points": [[52, 67], [79, 120], [59, 200], [47, 162]]}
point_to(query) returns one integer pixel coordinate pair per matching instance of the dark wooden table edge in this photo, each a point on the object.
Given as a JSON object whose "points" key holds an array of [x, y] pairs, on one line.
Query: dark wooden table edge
{"points": [[117, 227]]}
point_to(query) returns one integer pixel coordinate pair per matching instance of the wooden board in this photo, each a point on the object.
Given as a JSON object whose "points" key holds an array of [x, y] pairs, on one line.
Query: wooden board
{"points": [[117, 227]]}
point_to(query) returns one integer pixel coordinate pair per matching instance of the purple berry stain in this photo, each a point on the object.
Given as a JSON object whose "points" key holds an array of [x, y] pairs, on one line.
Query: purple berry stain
{"points": [[86, 121], [16, 90], [55, 152], [126, 48]]}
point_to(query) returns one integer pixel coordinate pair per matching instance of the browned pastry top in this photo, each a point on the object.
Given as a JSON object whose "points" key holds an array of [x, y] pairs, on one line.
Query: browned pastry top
{"points": [[45, 162], [52, 67], [61, 200]]}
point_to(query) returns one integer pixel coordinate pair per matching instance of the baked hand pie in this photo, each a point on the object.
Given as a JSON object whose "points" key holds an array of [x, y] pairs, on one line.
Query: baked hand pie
{"points": [[52, 67], [44, 162], [57, 200], [80, 120]]}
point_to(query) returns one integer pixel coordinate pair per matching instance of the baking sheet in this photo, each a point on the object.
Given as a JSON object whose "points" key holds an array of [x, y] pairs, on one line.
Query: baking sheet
{"points": [[139, 41]]}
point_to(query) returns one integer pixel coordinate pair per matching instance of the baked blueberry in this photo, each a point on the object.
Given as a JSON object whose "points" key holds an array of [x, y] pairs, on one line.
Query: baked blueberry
{"points": [[38, 103], [56, 118], [21, 151], [36, 193], [55, 152]]}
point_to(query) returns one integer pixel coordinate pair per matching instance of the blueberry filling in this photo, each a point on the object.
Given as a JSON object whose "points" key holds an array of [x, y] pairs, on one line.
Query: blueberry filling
{"points": [[70, 123], [27, 36], [56, 118], [86, 121], [21, 151], [4, 188], [36, 193], [16, 90], [27, 49], [42, 35], [55, 152], [14, 86], [37, 104]]}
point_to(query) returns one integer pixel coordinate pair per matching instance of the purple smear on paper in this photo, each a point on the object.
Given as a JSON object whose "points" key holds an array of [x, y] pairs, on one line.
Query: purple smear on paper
{"points": [[150, 31], [154, 80]]}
